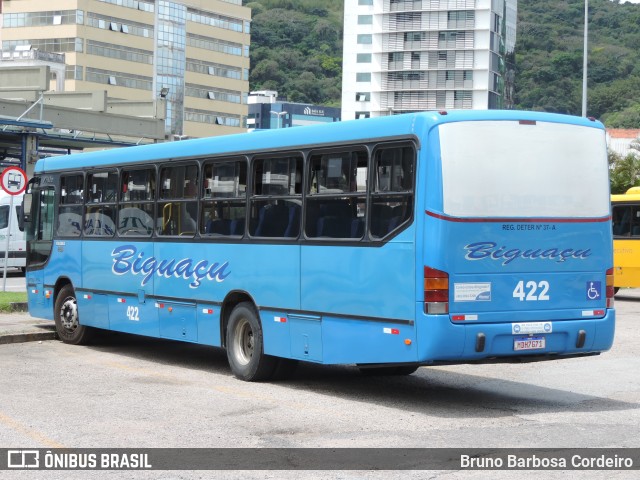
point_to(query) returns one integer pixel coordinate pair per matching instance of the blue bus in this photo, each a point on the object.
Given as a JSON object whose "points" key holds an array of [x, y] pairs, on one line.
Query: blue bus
{"points": [[388, 243]]}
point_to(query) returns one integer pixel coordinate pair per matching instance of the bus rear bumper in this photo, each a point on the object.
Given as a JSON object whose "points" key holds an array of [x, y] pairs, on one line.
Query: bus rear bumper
{"points": [[442, 341]]}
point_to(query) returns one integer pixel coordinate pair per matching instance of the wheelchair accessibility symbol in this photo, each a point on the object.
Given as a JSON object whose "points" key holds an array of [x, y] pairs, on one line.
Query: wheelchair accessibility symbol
{"points": [[593, 290]]}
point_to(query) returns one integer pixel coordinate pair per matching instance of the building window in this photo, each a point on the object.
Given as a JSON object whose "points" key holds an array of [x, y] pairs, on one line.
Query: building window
{"points": [[413, 36], [365, 19], [361, 115], [363, 58], [363, 77], [73, 72], [216, 45], [36, 19], [54, 45], [202, 91], [211, 118], [128, 80], [122, 53], [127, 26], [363, 96], [365, 2], [365, 39], [215, 20]]}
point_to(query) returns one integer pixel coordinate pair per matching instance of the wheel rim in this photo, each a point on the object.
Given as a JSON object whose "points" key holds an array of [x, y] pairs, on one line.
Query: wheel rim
{"points": [[243, 342], [69, 314]]}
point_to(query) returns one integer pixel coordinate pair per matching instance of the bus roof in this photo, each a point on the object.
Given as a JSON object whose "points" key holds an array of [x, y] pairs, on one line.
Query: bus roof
{"points": [[394, 126]]}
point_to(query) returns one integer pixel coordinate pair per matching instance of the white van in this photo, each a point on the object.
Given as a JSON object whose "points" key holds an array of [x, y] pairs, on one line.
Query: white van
{"points": [[17, 242]]}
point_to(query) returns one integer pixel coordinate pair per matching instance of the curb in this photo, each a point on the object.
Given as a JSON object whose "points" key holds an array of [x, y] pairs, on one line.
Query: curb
{"points": [[18, 307], [27, 337]]}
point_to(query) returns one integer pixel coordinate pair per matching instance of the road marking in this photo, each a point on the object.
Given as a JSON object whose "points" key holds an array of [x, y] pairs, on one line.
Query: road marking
{"points": [[29, 432]]}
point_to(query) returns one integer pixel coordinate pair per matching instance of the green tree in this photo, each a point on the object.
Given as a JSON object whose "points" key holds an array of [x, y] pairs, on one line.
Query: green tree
{"points": [[549, 47], [627, 118], [624, 172], [297, 50]]}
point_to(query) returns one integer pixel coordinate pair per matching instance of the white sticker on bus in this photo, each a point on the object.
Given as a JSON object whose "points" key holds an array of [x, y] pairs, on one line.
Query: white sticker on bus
{"points": [[528, 328], [472, 292]]}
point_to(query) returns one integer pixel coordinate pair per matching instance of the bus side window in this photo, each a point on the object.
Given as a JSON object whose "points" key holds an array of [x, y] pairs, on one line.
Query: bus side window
{"points": [[392, 196], [621, 220], [100, 213], [178, 208], [224, 193], [275, 207], [70, 207], [635, 232], [336, 195], [135, 211]]}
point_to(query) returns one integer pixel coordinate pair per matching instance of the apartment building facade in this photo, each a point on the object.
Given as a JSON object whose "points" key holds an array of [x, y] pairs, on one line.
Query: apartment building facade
{"points": [[403, 56], [195, 53]]}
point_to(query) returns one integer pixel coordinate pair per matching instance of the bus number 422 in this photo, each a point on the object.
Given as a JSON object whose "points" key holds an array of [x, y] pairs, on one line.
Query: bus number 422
{"points": [[132, 313], [531, 291]]}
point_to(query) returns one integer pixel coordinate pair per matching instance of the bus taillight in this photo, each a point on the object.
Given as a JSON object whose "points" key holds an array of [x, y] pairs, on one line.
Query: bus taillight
{"points": [[436, 291], [610, 289]]}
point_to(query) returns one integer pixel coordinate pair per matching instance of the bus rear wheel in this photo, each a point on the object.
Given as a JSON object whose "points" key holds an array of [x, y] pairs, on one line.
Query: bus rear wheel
{"points": [[245, 346], [67, 318]]}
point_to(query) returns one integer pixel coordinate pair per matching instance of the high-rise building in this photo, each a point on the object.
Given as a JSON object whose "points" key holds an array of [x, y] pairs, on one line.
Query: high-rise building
{"points": [[408, 55], [193, 52]]}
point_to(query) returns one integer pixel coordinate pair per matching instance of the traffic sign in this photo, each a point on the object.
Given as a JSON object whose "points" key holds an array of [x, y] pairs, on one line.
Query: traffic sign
{"points": [[13, 180]]}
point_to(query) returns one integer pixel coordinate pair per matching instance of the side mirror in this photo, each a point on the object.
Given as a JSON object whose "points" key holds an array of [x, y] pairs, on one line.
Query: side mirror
{"points": [[25, 210]]}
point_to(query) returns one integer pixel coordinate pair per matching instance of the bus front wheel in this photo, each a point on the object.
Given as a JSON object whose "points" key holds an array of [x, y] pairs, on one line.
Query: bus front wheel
{"points": [[245, 346], [67, 318]]}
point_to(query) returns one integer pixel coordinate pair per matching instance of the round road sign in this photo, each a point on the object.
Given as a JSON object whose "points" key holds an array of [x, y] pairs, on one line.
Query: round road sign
{"points": [[13, 180]]}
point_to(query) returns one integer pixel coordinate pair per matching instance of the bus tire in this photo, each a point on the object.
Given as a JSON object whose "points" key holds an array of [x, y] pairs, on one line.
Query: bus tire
{"points": [[67, 319], [245, 346]]}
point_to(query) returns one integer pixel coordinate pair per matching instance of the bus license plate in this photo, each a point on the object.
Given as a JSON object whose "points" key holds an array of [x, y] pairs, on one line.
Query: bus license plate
{"points": [[529, 343]]}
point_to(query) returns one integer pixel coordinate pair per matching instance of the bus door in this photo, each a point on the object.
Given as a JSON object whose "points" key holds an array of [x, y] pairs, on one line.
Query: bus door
{"points": [[39, 223]]}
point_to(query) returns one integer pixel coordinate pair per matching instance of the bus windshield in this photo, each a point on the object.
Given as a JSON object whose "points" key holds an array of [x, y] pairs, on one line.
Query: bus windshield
{"points": [[523, 169]]}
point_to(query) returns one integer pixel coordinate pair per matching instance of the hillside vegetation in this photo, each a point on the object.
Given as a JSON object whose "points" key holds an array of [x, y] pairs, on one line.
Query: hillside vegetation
{"points": [[297, 50], [549, 59]]}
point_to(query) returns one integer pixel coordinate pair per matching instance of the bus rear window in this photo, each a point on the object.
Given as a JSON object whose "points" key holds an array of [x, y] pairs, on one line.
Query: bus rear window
{"points": [[512, 169]]}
